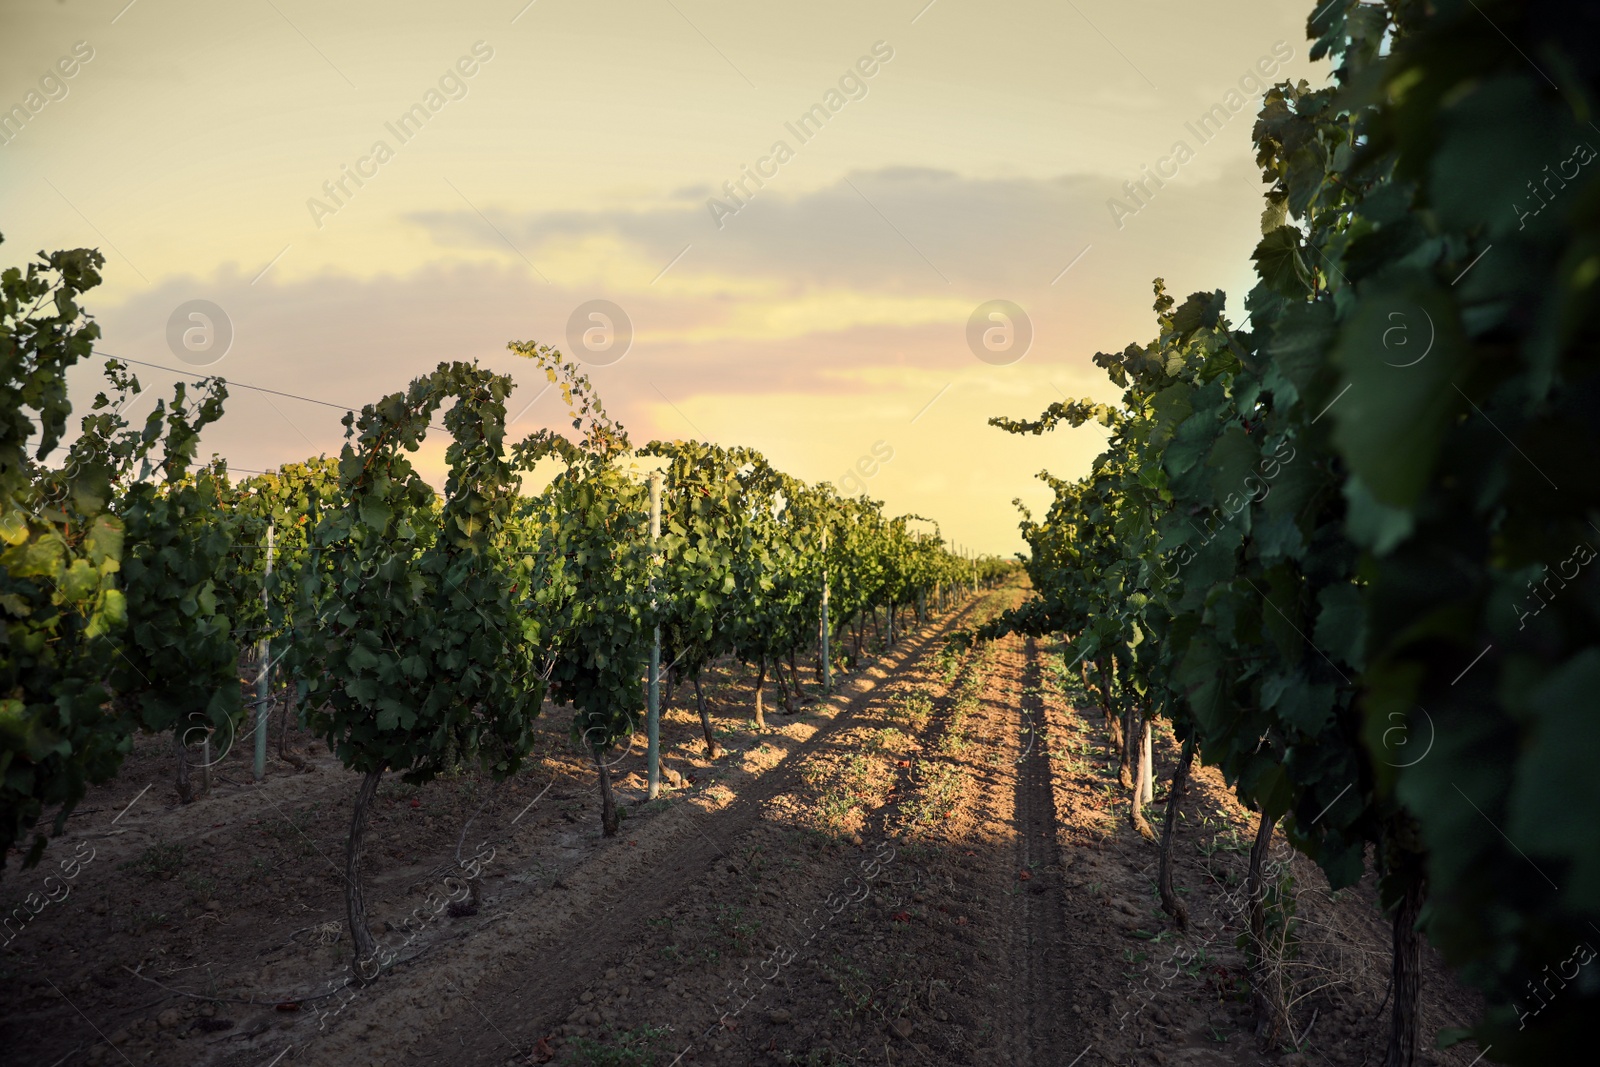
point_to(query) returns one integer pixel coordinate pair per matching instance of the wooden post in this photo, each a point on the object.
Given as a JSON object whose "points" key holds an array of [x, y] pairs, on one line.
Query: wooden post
{"points": [[1147, 787], [263, 681], [827, 658], [1141, 781], [653, 716]]}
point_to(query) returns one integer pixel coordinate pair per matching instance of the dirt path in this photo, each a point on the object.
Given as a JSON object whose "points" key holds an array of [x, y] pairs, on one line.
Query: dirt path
{"points": [[933, 867], [613, 935], [1040, 928]]}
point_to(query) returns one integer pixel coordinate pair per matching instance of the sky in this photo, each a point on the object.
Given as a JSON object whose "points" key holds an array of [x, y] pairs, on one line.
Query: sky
{"points": [[833, 232]]}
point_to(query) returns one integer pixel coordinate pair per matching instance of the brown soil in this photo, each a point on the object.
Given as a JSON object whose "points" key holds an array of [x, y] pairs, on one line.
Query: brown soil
{"points": [[935, 866]]}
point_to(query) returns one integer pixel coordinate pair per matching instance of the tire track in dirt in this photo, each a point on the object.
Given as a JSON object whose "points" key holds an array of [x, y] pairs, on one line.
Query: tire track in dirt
{"points": [[1047, 997], [921, 971], [974, 971], [1018, 798], [597, 933]]}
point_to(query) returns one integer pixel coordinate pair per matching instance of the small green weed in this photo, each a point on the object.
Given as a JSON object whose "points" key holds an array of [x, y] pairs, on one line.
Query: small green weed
{"points": [[836, 805], [887, 739], [142, 922], [160, 861], [619, 1048], [913, 708], [201, 887], [938, 792], [737, 931]]}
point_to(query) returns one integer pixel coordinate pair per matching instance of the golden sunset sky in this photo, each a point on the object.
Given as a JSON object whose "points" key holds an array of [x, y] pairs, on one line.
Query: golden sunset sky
{"points": [[557, 152]]}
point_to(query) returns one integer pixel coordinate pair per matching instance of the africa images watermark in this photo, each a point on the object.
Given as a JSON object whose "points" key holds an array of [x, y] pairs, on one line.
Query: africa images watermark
{"points": [[368, 968], [1561, 978], [34, 903], [1251, 85], [1581, 156], [452, 85], [1270, 467], [1234, 904], [53, 87], [852, 85], [855, 480], [1581, 557]]}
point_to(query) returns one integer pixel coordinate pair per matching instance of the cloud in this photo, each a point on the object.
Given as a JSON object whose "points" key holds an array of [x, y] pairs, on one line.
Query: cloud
{"points": [[349, 341], [814, 294], [900, 229]]}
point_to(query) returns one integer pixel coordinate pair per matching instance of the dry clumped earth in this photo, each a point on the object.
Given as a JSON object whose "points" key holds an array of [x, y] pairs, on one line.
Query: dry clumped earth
{"points": [[933, 866]]}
